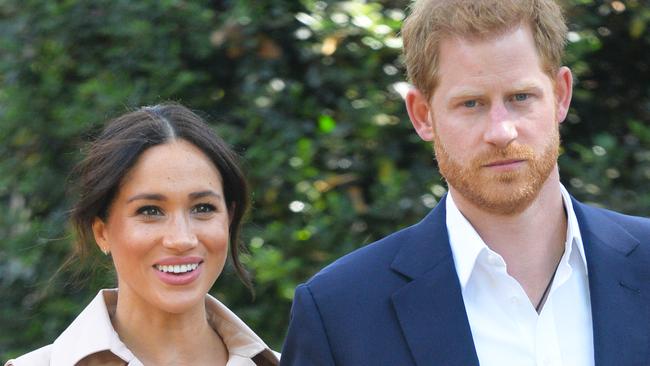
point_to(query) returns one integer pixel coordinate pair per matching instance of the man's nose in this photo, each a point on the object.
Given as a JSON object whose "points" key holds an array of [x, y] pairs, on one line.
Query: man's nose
{"points": [[179, 235], [501, 128]]}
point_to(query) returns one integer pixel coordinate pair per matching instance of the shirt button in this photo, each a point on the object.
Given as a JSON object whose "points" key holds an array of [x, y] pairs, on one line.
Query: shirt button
{"points": [[514, 300]]}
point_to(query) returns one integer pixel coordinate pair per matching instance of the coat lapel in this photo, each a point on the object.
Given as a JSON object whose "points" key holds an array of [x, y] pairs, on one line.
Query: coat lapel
{"points": [[430, 308], [619, 289]]}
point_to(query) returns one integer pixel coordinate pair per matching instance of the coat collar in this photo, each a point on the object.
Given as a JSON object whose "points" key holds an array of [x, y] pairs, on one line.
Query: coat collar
{"points": [[430, 308], [619, 289], [242, 343], [92, 332]]}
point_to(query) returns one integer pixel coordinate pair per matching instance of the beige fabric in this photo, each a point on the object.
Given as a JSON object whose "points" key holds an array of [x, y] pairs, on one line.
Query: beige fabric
{"points": [[91, 340]]}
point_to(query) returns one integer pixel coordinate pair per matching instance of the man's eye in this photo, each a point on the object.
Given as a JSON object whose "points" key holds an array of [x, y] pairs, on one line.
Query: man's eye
{"points": [[149, 211], [521, 97], [469, 103], [203, 208]]}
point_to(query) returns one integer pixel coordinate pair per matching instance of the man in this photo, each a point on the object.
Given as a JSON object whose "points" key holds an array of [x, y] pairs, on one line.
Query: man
{"points": [[508, 269]]}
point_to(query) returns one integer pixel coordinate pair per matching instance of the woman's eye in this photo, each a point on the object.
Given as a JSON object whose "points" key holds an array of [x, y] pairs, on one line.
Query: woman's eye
{"points": [[203, 208], [149, 211]]}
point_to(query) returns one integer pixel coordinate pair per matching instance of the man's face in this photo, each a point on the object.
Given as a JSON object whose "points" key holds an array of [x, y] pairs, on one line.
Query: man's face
{"points": [[494, 120]]}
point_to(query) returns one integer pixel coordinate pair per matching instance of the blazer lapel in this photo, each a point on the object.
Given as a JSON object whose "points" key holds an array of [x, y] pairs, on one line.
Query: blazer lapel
{"points": [[430, 308], [619, 289]]}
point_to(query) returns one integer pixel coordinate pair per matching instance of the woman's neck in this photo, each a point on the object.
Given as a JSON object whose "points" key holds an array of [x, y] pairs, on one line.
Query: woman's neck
{"points": [[157, 337]]}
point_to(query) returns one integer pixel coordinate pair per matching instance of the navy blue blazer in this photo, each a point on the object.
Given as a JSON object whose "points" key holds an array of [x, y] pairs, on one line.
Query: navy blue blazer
{"points": [[398, 301]]}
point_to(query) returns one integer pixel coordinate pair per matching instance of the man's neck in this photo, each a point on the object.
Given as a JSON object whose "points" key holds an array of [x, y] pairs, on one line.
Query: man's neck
{"points": [[531, 242]]}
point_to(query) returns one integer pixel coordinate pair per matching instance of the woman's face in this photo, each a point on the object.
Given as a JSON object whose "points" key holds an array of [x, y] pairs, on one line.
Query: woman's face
{"points": [[167, 228]]}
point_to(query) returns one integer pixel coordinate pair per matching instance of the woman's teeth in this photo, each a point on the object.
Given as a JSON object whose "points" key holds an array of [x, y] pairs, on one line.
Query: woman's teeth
{"points": [[177, 268]]}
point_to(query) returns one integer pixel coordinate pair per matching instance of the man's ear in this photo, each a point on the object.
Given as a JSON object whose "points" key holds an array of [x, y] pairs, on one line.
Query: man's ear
{"points": [[418, 109], [101, 236], [563, 93]]}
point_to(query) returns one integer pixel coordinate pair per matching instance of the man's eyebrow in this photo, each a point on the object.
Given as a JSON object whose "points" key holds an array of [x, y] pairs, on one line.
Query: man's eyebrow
{"points": [[526, 86], [147, 196], [201, 194], [463, 93]]}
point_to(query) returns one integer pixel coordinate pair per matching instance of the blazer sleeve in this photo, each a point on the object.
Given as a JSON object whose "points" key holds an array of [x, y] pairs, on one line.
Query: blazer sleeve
{"points": [[306, 343]]}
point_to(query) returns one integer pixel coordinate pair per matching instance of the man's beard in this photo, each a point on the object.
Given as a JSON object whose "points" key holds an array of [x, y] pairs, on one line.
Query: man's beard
{"points": [[502, 193]]}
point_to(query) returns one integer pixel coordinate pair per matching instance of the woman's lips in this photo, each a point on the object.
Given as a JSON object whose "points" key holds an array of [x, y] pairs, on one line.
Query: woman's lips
{"points": [[178, 271], [173, 260]]}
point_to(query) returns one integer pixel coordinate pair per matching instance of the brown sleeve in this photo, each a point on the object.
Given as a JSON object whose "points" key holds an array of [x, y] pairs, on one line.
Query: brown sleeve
{"points": [[266, 358]]}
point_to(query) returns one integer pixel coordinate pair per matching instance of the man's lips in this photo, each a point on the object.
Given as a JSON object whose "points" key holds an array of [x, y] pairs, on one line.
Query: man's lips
{"points": [[504, 163]]}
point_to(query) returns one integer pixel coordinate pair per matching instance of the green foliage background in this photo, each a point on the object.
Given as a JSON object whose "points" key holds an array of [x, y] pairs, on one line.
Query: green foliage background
{"points": [[308, 92]]}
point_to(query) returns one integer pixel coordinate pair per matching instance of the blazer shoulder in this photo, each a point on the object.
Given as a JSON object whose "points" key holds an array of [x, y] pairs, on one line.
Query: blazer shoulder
{"points": [[363, 267], [38, 357], [635, 225]]}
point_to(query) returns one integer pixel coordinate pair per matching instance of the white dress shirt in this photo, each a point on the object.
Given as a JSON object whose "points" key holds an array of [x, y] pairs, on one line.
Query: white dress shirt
{"points": [[91, 339], [505, 325]]}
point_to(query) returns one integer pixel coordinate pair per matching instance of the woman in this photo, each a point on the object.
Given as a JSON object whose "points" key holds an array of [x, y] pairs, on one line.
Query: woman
{"points": [[163, 195]]}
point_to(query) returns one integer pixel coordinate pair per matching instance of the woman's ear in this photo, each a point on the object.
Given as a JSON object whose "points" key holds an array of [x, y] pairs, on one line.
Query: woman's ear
{"points": [[563, 93], [418, 109], [101, 236]]}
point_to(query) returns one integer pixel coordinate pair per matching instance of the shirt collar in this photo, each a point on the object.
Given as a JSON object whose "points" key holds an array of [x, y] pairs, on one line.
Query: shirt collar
{"points": [[92, 332], [467, 245], [573, 229]]}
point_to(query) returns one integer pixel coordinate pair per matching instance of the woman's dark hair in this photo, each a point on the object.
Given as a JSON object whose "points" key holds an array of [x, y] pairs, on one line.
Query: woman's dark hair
{"points": [[110, 157]]}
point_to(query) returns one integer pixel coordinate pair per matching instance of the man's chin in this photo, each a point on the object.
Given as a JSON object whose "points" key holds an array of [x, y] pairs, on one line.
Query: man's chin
{"points": [[507, 206], [500, 198]]}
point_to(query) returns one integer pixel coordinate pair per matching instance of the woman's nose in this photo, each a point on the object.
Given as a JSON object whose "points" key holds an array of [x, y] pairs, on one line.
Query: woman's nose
{"points": [[179, 234]]}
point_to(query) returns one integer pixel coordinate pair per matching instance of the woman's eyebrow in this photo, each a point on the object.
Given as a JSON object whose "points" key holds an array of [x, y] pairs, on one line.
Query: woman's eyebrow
{"points": [[201, 194], [147, 196]]}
